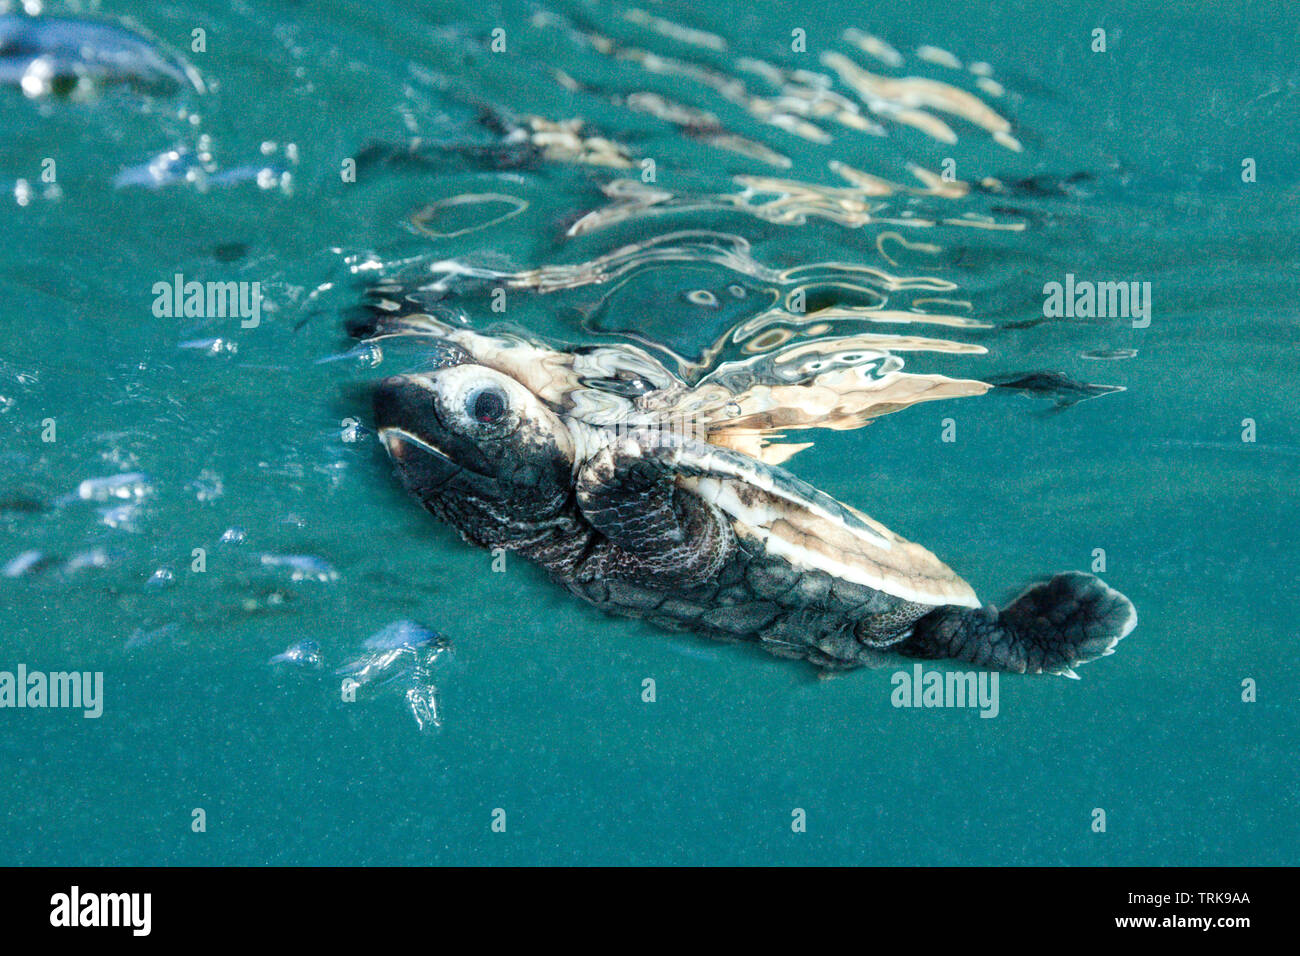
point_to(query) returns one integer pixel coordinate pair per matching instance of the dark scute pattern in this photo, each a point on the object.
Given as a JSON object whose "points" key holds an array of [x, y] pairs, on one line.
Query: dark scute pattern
{"points": [[741, 603], [655, 530]]}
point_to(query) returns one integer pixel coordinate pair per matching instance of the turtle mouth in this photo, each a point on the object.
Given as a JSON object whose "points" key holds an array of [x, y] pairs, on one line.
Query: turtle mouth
{"points": [[400, 444], [404, 414], [424, 468]]}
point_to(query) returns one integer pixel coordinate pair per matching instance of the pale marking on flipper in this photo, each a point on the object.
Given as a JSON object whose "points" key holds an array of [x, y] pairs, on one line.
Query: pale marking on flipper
{"points": [[933, 583], [1129, 624], [719, 462]]}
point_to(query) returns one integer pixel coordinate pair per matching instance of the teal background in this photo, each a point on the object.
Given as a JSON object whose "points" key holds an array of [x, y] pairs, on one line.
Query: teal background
{"points": [[544, 716]]}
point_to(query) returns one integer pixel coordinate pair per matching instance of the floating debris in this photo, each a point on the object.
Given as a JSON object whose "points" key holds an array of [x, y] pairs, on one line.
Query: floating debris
{"points": [[24, 192], [143, 638], [181, 166], [94, 558], [305, 653], [165, 169], [131, 486], [267, 601], [207, 486], [161, 578], [404, 656], [20, 564], [301, 567], [400, 634], [215, 346], [121, 517]]}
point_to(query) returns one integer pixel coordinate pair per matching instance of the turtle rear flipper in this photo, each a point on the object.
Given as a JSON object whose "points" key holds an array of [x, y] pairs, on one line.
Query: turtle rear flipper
{"points": [[1071, 619]]}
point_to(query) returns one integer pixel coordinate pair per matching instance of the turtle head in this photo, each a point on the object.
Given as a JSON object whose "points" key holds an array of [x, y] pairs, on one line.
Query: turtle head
{"points": [[479, 450]]}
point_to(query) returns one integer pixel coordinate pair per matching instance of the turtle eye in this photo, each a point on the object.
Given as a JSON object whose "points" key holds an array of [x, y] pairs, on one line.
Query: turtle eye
{"points": [[487, 406]]}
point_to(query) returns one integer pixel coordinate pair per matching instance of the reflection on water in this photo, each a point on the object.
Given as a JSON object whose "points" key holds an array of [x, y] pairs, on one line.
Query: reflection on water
{"points": [[795, 373], [790, 202], [691, 321], [801, 101]]}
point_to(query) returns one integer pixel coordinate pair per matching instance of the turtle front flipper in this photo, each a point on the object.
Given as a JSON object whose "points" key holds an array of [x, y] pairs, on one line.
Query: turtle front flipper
{"points": [[1071, 619], [660, 532]]}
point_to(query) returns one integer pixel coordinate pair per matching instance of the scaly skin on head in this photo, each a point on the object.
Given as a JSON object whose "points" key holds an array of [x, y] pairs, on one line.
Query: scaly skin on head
{"points": [[481, 453]]}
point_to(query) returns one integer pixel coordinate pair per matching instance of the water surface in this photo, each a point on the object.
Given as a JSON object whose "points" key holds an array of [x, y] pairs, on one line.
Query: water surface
{"points": [[228, 165]]}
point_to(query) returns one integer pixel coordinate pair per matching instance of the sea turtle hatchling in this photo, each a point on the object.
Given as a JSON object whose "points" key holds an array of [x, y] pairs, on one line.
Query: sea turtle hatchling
{"points": [[575, 461]]}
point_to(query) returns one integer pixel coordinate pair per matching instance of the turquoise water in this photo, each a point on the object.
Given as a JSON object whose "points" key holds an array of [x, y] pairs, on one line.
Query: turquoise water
{"points": [[240, 439]]}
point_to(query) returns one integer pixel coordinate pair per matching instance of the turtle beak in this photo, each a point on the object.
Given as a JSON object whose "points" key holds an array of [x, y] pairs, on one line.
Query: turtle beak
{"points": [[404, 417], [403, 403], [402, 446]]}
